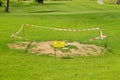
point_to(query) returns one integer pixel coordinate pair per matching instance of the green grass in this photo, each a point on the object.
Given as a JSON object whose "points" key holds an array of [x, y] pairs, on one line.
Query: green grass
{"points": [[18, 65]]}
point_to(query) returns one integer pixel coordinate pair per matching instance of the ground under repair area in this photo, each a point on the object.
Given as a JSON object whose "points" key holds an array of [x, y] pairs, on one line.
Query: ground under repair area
{"points": [[47, 48]]}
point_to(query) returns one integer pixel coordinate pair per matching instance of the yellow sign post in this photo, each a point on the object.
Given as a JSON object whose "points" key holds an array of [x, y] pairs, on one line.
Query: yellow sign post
{"points": [[58, 44]]}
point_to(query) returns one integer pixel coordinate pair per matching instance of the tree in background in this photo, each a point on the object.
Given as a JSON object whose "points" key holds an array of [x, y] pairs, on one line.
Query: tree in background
{"points": [[40, 1], [7, 6], [117, 1], [1, 3]]}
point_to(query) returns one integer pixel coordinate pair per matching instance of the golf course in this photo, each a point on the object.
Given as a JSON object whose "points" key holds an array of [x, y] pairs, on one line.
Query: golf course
{"points": [[16, 64]]}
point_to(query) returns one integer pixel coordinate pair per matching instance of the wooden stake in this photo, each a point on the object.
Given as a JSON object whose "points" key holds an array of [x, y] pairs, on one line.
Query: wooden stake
{"points": [[28, 46], [106, 43], [23, 32], [100, 33], [55, 52]]}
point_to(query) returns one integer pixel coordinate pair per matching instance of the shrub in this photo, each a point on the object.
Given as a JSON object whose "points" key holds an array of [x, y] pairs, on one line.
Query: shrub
{"points": [[1, 3], [39, 1]]}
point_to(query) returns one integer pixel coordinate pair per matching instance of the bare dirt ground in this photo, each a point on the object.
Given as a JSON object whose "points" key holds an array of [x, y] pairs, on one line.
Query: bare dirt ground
{"points": [[70, 49]]}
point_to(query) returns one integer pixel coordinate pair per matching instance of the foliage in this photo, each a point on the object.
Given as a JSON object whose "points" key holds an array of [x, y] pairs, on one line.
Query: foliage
{"points": [[39, 1], [1, 3]]}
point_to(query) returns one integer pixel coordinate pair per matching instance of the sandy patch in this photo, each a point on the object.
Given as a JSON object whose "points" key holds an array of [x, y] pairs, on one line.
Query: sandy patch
{"points": [[70, 49]]}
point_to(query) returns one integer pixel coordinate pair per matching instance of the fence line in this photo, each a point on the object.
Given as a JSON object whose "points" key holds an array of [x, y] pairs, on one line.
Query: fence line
{"points": [[15, 35]]}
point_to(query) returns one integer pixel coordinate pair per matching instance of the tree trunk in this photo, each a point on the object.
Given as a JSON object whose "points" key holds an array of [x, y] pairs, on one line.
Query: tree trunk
{"points": [[7, 6], [117, 1]]}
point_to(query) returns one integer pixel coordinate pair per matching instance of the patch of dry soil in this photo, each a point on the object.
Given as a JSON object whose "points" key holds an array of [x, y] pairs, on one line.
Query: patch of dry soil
{"points": [[46, 47]]}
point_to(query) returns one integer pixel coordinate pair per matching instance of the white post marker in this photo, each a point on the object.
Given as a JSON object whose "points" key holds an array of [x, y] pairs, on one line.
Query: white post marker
{"points": [[100, 2], [100, 34]]}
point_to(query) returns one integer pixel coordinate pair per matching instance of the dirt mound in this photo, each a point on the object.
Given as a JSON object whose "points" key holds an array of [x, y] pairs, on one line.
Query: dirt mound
{"points": [[70, 49]]}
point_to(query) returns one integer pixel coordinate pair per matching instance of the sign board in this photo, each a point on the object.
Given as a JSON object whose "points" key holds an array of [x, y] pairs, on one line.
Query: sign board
{"points": [[58, 44]]}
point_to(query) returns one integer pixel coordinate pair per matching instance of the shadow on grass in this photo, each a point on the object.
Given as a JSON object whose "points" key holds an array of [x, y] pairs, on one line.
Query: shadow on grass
{"points": [[46, 11], [54, 3]]}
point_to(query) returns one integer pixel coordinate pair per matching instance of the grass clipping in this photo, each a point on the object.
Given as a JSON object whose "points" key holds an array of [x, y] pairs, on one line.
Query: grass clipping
{"points": [[46, 48]]}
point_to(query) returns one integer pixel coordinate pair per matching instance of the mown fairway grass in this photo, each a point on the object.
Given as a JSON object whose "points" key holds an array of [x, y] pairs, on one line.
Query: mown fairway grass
{"points": [[17, 65]]}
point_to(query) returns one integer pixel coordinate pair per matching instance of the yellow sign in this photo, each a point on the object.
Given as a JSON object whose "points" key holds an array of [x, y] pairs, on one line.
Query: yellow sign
{"points": [[58, 44]]}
